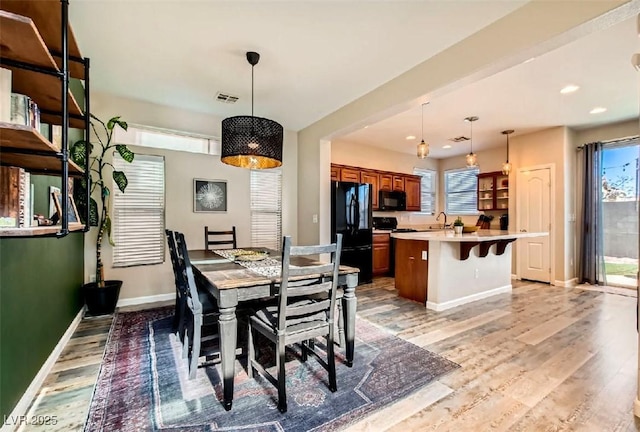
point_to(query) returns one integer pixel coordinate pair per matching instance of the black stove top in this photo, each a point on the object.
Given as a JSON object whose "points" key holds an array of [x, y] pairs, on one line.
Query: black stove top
{"points": [[401, 230], [385, 223]]}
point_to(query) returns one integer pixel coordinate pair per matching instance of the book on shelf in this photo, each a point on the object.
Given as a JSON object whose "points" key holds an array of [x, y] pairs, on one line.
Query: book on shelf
{"points": [[5, 95], [16, 198], [24, 111]]}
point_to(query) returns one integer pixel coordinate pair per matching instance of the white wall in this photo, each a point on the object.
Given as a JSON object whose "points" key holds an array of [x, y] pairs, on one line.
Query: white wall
{"points": [[180, 170]]}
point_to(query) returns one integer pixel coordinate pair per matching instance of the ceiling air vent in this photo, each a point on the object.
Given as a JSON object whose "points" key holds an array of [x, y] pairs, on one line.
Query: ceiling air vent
{"points": [[226, 98], [459, 139]]}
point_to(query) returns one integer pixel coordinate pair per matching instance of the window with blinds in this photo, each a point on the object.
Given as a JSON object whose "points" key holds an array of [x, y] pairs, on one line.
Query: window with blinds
{"points": [[427, 190], [147, 136], [266, 208], [138, 213], [460, 191]]}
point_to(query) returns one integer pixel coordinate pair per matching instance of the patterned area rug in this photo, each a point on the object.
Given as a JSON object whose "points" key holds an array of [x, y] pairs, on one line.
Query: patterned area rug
{"points": [[143, 383]]}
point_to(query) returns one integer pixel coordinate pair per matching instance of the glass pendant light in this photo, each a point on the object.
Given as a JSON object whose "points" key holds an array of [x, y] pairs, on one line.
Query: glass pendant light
{"points": [[472, 159], [423, 147], [506, 167]]}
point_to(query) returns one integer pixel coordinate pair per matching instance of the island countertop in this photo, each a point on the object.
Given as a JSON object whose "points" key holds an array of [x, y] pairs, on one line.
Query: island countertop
{"points": [[478, 236]]}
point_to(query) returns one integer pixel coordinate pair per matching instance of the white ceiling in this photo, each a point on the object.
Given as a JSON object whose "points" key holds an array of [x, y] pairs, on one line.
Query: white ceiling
{"points": [[525, 98], [316, 55]]}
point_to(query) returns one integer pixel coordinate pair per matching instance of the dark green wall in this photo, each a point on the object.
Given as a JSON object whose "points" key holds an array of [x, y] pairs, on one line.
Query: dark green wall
{"points": [[40, 281]]}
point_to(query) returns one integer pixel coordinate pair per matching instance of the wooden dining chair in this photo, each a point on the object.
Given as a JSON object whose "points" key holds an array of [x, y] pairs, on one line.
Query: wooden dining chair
{"points": [[305, 310], [220, 239], [181, 293]]}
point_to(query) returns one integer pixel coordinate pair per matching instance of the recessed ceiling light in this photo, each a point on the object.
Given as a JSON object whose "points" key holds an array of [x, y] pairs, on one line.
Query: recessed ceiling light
{"points": [[597, 110], [411, 137], [529, 60], [569, 89], [446, 146], [366, 126]]}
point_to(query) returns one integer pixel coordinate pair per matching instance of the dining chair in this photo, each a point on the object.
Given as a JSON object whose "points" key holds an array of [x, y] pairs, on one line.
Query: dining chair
{"points": [[201, 315], [226, 239], [181, 294], [305, 310]]}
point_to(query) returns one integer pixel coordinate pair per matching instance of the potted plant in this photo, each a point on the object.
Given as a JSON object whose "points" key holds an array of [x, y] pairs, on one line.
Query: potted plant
{"points": [[100, 296], [458, 225]]}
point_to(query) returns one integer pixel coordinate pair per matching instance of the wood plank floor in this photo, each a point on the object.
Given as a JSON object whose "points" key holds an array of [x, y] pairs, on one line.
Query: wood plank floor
{"points": [[542, 358]]}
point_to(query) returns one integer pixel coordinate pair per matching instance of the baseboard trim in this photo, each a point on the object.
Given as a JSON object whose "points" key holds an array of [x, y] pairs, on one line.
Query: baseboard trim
{"points": [[145, 299], [566, 284], [468, 299], [636, 407], [20, 410], [514, 276]]}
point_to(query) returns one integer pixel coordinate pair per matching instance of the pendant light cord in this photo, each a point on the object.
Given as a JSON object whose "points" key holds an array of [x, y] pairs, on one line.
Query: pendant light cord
{"points": [[252, 66], [422, 137], [471, 139], [507, 148]]}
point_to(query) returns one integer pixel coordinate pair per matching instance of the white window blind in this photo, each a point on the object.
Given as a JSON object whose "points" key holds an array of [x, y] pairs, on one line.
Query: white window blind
{"points": [[427, 190], [138, 213], [146, 136], [460, 189], [266, 208]]}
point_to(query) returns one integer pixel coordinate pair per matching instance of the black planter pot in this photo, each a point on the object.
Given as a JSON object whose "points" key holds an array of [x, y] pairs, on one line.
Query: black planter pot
{"points": [[101, 300]]}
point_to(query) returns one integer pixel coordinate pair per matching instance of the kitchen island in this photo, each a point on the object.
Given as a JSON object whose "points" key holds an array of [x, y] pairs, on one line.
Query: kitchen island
{"points": [[445, 270]]}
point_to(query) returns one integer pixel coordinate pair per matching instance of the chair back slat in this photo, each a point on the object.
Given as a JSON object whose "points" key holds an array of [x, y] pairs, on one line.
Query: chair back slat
{"points": [[176, 263], [291, 292], [308, 309], [192, 289], [220, 238], [319, 269]]}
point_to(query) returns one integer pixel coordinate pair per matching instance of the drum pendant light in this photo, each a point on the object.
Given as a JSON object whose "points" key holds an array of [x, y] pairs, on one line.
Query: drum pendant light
{"points": [[472, 159], [249, 141], [506, 167], [423, 147]]}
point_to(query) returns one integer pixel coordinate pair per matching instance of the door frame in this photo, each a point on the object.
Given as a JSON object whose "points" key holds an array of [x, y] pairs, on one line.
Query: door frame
{"points": [[552, 213]]}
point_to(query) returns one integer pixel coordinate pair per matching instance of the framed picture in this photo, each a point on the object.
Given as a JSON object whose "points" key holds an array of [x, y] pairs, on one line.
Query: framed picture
{"points": [[72, 211], [209, 195]]}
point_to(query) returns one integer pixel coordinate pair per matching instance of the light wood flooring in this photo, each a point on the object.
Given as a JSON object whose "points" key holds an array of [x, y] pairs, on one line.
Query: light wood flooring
{"points": [[542, 358]]}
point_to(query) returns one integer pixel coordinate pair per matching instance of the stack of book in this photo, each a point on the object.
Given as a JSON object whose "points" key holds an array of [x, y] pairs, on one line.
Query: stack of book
{"points": [[16, 203], [24, 111]]}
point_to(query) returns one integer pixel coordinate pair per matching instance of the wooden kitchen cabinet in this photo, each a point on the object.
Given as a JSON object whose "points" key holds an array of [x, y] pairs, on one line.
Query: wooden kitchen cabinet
{"points": [[411, 270], [349, 174], [386, 181], [398, 183], [412, 189], [381, 253], [372, 178], [335, 173], [493, 191]]}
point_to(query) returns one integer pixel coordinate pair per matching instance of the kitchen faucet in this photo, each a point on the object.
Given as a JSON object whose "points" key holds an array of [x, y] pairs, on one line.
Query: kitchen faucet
{"points": [[445, 218]]}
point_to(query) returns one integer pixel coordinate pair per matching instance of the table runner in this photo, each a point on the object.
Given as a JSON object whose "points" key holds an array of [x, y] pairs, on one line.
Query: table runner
{"points": [[269, 267]]}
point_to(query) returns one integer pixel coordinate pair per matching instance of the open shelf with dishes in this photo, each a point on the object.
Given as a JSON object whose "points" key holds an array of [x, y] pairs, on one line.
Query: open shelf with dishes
{"points": [[493, 191], [39, 49]]}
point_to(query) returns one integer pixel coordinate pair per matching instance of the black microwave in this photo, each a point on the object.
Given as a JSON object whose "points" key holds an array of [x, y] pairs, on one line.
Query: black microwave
{"points": [[392, 200]]}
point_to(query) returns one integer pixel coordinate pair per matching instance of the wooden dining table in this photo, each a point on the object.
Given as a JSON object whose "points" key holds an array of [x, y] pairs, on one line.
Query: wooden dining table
{"points": [[231, 284]]}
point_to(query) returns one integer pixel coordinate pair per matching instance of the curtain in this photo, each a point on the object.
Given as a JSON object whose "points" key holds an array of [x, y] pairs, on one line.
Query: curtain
{"points": [[591, 253]]}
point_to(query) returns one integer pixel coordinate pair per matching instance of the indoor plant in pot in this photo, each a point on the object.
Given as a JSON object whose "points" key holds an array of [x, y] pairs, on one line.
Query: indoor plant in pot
{"points": [[458, 225], [100, 296]]}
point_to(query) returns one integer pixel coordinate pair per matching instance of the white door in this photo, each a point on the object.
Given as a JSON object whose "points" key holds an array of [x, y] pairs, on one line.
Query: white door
{"points": [[534, 215]]}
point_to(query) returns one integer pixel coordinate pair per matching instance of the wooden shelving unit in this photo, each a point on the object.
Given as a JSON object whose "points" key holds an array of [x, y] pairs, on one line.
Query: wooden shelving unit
{"points": [[34, 37], [36, 231], [20, 41]]}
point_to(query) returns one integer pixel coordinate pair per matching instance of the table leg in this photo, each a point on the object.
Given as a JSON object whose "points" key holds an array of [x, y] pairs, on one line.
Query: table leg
{"points": [[349, 304], [228, 325]]}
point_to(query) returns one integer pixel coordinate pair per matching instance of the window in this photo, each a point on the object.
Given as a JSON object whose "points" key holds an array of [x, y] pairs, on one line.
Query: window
{"points": [[427, 190], [461, 191], [146, 136], [266, 208], [138, 214]]}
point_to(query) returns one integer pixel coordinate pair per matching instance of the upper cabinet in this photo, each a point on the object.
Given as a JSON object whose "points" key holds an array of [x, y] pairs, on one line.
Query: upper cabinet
{"points": [[381, 180], [493, 191], [412, 189]]}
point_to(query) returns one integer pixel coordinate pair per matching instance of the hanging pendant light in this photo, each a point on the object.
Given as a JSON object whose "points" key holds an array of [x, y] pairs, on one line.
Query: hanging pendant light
{"points": [[423, 147], [472, 159], [249, 141], [506, 167]]}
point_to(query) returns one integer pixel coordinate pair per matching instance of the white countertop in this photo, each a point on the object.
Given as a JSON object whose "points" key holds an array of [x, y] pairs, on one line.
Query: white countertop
{"points": [[478, 236]]}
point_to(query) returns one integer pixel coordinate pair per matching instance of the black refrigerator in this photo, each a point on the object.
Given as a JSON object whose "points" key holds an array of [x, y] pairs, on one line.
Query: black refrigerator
{"points": [[351, 213]]}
